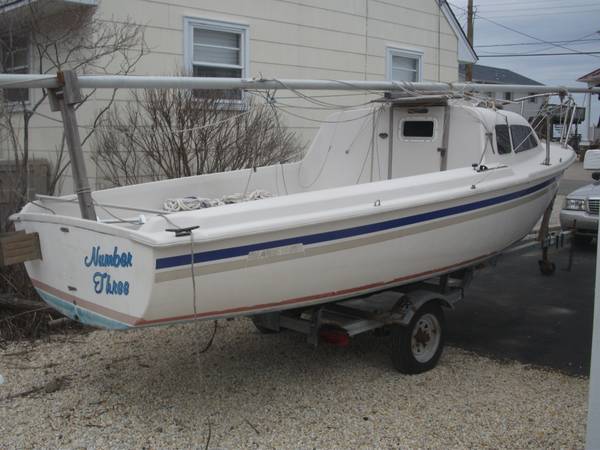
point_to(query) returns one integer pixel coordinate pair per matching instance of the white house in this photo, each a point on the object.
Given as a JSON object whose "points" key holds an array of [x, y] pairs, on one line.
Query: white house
{"points": [[495, 75], [593, 80], [412, 40]]}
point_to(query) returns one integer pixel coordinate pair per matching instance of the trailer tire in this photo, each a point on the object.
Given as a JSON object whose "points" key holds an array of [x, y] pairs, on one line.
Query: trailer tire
{"points": [[261, 328], [417, 347]]}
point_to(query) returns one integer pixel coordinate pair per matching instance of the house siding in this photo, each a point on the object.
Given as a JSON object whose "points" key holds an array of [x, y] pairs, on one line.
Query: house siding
{"points": [[287, 39]]}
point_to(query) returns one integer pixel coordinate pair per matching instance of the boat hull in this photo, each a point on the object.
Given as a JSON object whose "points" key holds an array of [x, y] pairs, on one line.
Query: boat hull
{"points": [[114, 282]]}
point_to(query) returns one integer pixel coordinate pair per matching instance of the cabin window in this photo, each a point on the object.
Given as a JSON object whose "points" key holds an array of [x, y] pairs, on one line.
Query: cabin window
{"points": [[508, 96], [216, 49], [532, 99], [418, 128], [14, 59], [502, 139], [523, 138], [403, 65]]}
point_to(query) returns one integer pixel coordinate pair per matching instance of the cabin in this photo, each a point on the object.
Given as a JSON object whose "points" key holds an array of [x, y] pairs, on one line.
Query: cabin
{"points": [[396, 138]]}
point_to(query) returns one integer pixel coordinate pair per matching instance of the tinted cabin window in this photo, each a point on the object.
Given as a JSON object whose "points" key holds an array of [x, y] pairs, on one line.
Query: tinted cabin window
{"points": [[523, 138], [502, 139], [418, 128]]}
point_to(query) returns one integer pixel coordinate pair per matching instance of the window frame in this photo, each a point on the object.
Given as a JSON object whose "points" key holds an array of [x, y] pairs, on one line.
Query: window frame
{"points": [[14, 105], [391, 51], [508, 135], [242, 29], [531, 135], [428, 118]]}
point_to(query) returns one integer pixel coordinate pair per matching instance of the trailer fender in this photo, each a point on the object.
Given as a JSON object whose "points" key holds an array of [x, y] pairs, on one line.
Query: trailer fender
{"points": [[409, 304]]}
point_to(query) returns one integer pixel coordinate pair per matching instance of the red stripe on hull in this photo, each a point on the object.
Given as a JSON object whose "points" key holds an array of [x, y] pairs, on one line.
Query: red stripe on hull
{"points": [[135, 321]]}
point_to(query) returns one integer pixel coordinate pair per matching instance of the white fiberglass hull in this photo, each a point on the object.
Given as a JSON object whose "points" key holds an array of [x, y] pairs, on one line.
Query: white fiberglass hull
{"points": [[113, 281]]}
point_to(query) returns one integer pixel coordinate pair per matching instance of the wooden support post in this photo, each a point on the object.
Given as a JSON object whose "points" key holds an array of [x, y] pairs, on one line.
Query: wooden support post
{"points": [[63, 99], [470, 26]]}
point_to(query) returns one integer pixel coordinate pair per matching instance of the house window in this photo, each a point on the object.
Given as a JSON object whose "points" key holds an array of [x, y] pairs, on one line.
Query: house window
{"points": [[508, 96], [532, 99], [403, 65], [14, 59], [216, 49]]}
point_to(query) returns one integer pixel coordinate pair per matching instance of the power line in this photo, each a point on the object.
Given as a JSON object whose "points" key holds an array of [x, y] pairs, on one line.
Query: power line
{"points": [[540, 50], [544, 14], [520, 32], [530, 8], [520, 2], [538, 54], [536, 43]]}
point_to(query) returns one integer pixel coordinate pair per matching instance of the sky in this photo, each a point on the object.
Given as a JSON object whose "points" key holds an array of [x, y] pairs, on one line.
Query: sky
{"points": [[547, 20]]}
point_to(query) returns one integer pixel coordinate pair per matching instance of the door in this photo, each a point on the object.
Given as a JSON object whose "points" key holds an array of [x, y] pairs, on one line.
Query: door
{"points": [[418, 136]]}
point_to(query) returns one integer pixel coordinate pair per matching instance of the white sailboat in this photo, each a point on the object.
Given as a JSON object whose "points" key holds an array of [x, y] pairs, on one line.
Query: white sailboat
{"points": [[400, 191]]}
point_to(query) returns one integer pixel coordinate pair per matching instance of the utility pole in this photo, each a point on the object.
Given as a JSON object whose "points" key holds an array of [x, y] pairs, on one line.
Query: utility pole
{"points": [[469, 68]]}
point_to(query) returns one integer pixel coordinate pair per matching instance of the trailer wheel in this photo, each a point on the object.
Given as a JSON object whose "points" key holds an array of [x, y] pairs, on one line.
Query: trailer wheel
{"points": [[547, 267], [416, 348], [261, 328]]}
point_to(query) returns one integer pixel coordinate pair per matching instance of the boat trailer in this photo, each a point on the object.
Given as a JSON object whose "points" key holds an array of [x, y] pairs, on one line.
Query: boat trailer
{"points": [[412, 316]]}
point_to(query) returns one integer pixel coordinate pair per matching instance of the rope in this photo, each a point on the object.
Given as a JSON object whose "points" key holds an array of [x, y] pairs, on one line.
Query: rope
{"points": [[194, 297], [192, 203]]}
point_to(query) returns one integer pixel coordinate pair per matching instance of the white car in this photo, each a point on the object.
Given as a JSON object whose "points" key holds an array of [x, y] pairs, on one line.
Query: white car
{"points": [[580, 212]]}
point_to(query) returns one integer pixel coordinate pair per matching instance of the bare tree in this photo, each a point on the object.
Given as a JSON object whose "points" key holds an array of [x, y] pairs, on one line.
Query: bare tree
{"points": [[170, 133], [38, 39], [43, 41]]}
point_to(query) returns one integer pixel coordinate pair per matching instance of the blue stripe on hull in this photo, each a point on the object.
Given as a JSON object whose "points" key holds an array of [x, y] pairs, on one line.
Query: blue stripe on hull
{"points": [[79, 314], [215, 255]]}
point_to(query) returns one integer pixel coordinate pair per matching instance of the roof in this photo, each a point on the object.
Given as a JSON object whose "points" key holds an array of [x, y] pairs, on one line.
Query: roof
{"points": [[466, 52], [9, 5], [496, 75], [592, 77]]}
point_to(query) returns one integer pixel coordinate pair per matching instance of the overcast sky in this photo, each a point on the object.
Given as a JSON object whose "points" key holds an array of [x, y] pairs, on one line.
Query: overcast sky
{"points": [[547, 20]]}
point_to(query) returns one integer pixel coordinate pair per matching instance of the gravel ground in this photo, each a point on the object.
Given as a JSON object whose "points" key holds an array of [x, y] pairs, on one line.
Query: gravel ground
{"points": [[146, 388]]}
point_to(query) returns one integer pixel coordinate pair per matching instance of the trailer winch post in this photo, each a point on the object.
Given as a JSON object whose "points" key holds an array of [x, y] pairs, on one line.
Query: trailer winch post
{"points": [[63, 99], [548, 134]]}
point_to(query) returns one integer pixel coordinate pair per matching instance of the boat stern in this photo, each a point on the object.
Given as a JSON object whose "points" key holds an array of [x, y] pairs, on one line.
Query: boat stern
{"points": [[90, 275]]}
